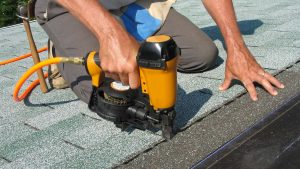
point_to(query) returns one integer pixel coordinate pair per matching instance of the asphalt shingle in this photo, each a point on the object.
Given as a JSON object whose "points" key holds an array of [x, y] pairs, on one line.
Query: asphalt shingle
{"points": [[2, 162], [28, 145], [6, 81], [54, 116], [68, 126], [282, 42], [198, 106], [44, 158], [61, 99], [296, 43], [277, 57], [295, 68], [291, 26], [263, 38], [190, 82], [13, 112], [43, 139], [112, 152], [13, 131], [94, 134], [12, 71]]}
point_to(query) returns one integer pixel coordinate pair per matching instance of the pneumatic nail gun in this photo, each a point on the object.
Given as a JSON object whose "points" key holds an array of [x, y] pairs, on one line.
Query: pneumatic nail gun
{"points": [[151, 105]]}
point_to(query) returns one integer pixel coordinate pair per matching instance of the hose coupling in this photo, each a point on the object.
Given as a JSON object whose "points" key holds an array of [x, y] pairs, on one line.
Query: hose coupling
{"points": [[73, 60]]}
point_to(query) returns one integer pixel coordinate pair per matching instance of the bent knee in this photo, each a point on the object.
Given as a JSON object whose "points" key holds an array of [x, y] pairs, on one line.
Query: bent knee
{"points": [[199, 60], [211, 57]]}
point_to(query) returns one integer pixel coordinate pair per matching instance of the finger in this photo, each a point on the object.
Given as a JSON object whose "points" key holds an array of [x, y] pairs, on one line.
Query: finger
{"points": [[112, 76], [124, 79], [274, 81], [225, 85], [251, 89], [134, 79], [267, 85]]}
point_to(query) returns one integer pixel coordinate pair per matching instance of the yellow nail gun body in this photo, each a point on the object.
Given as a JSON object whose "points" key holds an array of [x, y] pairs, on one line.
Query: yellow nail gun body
{"points": [[150, 106]]}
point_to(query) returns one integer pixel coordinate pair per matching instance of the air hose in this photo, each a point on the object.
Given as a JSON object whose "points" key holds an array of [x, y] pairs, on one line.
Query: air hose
{"points": [[56, 60], [22, 57]]}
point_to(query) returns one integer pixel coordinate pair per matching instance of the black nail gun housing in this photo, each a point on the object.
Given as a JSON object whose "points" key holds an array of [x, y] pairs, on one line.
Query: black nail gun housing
{"points": [[124, 108]]}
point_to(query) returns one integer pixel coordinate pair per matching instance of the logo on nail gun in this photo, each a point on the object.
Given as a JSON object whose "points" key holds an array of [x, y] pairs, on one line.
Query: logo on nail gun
{"points": [[116, 85]]}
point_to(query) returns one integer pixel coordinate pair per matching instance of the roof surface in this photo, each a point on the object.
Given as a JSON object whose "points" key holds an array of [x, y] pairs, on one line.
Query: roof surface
{"points": [[56, 130]]}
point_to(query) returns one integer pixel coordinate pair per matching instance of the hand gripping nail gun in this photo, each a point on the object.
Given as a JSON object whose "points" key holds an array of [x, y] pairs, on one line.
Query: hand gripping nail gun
{"points": [[150, 106]]}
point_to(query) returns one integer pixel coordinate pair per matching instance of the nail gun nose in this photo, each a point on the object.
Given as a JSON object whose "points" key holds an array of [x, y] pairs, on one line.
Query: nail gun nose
{"points": [[140, 113]]}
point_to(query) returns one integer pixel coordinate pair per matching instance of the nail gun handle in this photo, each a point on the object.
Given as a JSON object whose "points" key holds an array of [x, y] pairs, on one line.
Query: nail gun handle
{"points": [[92, 65]]}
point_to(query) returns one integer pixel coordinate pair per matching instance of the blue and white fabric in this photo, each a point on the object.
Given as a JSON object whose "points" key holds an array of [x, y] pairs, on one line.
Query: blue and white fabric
{"points": [[141, 18]]}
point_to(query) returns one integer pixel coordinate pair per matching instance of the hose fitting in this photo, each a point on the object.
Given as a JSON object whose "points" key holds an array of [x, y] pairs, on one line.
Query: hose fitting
{"points": [[73, 60]]}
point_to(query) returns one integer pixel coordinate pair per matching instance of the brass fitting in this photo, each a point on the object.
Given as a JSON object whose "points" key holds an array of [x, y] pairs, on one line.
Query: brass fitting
{"points": [[73, 60]]}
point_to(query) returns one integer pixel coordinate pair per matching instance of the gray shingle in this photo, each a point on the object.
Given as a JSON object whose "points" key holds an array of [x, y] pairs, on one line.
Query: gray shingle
{"points": [[11, 132], [193, 82], [291, 26], [55, 98], [27, 145], [114, 151], [216, 73], [2, 162], [5, 81], [264, 38], [94, 134], [74, 124], [297, 43], [13, 111], [12, 71], [273, 22], [281, 42], [52, 117], [292, 7], [44, 157], [53, 135], [276, 57], [281, 13], [192, 106], [2, 121], [295, 68]]}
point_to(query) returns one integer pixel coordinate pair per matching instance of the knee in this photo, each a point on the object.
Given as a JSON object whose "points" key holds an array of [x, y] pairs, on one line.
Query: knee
{"points": [[200, 60], [211, 57]]}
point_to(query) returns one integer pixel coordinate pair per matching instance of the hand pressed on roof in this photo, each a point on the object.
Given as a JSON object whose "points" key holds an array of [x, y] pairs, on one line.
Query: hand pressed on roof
{"points": [[241, 65]]}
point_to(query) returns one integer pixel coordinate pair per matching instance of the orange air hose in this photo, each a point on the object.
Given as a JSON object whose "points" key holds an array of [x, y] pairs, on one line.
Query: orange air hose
{"points": [[34, 83], [37, 67], [30, 88], [22, 57]]}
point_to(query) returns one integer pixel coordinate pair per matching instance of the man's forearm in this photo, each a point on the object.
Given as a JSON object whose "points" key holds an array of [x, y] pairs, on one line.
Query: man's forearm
{"points": [[222, 12], [118, 49], [94, 16]]}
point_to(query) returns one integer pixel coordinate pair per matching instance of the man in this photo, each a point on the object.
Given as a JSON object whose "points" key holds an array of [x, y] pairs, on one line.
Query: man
{"points": [[115, 27]]}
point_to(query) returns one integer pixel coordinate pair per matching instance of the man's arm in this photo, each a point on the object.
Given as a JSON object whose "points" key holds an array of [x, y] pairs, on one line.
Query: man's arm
{"points": [[118, 49], [240, 64]]}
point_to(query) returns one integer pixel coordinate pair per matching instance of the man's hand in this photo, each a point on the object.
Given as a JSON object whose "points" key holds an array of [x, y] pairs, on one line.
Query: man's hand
{"points": [[118, 49], [242, 66], [118, 52]]}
